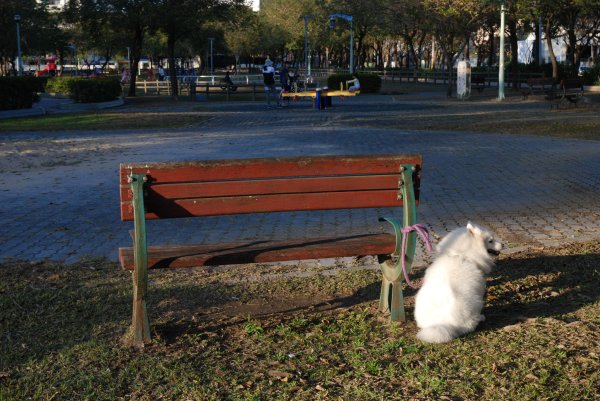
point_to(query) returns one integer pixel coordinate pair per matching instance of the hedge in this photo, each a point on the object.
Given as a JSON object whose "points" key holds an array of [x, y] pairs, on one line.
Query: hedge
{"points": [[369, 83], [591, 76], [59, 85], [84, 90], [19, 92]]}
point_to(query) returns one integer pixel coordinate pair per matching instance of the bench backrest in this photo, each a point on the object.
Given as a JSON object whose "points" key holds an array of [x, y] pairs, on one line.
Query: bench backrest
{"points": [[222, 187], [540, 81]]}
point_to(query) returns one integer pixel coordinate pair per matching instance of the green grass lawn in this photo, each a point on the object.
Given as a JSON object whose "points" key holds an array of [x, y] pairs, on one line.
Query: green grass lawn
{"points": [[100, 121], [281, 334]]}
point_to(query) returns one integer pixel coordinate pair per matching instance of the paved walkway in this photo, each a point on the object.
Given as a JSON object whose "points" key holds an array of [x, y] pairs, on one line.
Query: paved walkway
{"points": [[59, 195]]}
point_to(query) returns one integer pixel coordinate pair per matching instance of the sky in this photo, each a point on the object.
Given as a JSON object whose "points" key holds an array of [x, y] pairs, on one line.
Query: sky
{"points": [[255, 4]]}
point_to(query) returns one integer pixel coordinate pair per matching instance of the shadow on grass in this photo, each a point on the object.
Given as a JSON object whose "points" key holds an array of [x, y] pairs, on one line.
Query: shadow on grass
{"points": [[523, 286], [537, 285], [49, 307]]}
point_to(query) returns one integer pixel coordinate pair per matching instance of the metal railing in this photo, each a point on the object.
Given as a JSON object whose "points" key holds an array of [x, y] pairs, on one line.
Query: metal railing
{"points": [[253, 83], [441, 77]]}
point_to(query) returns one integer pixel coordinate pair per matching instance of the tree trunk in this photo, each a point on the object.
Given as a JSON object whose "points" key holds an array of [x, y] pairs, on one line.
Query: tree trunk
{"points": [[172, 71], [547, 28], [536, 43], [449, 61], [572, 40], [135, 55], [492, 49], [433, 54], [514, 50], [571, 54]]}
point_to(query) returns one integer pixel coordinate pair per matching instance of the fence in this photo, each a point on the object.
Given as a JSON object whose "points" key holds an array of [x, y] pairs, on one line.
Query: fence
{"points": [[253, 83], [202, 88], [441, 77]]}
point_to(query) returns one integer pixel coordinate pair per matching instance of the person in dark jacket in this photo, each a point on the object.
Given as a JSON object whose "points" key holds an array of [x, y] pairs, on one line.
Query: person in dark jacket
{"points": [[269, 81]]}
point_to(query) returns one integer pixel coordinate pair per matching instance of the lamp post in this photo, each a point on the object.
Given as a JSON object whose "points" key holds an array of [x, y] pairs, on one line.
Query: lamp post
{"points": [[306, 51], [19, 64], [348, 18], [501, 58]]}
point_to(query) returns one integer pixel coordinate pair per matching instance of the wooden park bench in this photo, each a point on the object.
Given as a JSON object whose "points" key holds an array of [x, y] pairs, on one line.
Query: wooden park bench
{"points": [[478, 83], [539, 86], [226, 187], [569, 90]]}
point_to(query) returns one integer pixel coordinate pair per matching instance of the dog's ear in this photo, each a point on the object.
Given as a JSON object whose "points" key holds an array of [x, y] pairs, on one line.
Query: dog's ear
{"points": [[471, 229]]}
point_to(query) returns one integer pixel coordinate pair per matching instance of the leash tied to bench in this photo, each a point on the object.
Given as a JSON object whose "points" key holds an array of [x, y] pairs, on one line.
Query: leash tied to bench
{"points": [[422, 232]]}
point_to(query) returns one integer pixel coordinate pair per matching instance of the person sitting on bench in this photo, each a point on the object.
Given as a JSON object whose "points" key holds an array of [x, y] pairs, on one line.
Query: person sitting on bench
{"points": [[355, 84]]}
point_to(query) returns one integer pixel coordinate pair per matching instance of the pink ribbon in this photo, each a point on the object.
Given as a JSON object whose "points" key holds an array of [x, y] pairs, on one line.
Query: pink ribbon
{"points": [[424, 234]]}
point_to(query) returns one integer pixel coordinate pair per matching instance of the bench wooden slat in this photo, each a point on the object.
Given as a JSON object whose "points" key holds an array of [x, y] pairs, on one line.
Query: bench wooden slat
{"points": [[223, 187], [261, 251], [267, 168], [157, 209], [268, 187]]}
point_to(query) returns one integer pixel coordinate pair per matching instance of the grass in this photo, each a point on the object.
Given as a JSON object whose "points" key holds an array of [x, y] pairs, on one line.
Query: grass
{"points": [[100, 121], [278, 336], [581, 124], [480, 114]]}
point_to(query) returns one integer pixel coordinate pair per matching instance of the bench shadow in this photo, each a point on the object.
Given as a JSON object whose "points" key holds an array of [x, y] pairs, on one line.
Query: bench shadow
{"points": [[537, 286], [170, 331]]}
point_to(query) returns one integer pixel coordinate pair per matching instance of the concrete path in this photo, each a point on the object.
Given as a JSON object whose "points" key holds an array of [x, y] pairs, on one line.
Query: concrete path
{"points": [[59, 195]]}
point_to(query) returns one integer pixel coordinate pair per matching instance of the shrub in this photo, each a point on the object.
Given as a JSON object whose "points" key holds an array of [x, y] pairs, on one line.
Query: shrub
{"points": [[591, 76], [369, 83], [84, 90], [19, 92], [59, 85], [95, 90]]}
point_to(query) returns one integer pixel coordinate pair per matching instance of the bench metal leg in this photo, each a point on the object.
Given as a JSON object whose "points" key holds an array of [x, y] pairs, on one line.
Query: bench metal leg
{"points": [[391, 298], [140, 325]]}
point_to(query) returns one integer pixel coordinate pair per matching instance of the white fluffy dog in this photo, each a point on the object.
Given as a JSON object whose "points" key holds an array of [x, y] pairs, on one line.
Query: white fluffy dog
{"points": [[450, 301]]}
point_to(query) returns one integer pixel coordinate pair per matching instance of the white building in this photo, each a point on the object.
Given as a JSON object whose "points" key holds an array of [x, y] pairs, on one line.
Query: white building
{"points": [[526, 49], [56, 5]]}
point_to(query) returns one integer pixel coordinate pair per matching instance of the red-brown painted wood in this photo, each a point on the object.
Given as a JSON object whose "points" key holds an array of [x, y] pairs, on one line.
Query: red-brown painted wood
{"points": [[269, 203], [262, 251], [216, 170], [267, 186], [224, 187]]}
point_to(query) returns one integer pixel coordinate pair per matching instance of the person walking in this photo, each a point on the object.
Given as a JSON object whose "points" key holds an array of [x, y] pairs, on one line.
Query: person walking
{"points": [[285, 85], [269, 81]]}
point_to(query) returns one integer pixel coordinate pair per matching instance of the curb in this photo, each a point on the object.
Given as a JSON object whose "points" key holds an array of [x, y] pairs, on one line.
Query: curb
{"points": [[32, 112], [91, 106]]}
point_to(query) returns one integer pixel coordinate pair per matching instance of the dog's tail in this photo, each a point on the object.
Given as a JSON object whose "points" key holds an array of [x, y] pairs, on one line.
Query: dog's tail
{"points": [[437, 334]]}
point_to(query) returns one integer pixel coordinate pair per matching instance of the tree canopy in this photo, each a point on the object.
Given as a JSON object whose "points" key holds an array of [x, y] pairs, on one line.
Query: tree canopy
{"points": [[387, 33]]}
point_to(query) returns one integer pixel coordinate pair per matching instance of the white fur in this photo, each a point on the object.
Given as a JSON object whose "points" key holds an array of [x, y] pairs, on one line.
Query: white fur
{"points": [[450, 301]]}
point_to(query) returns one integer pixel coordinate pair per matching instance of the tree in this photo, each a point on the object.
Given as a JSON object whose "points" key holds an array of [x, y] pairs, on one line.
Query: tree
{"points": [[92, 29], [241, 33], [409, 19], [39, 31], [453, 22], [131, 18], [581, 21], [366, 15]]}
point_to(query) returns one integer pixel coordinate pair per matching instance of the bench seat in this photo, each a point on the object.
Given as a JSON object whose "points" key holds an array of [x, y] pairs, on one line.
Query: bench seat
{"points": [[539, 86], [261, 251]]}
